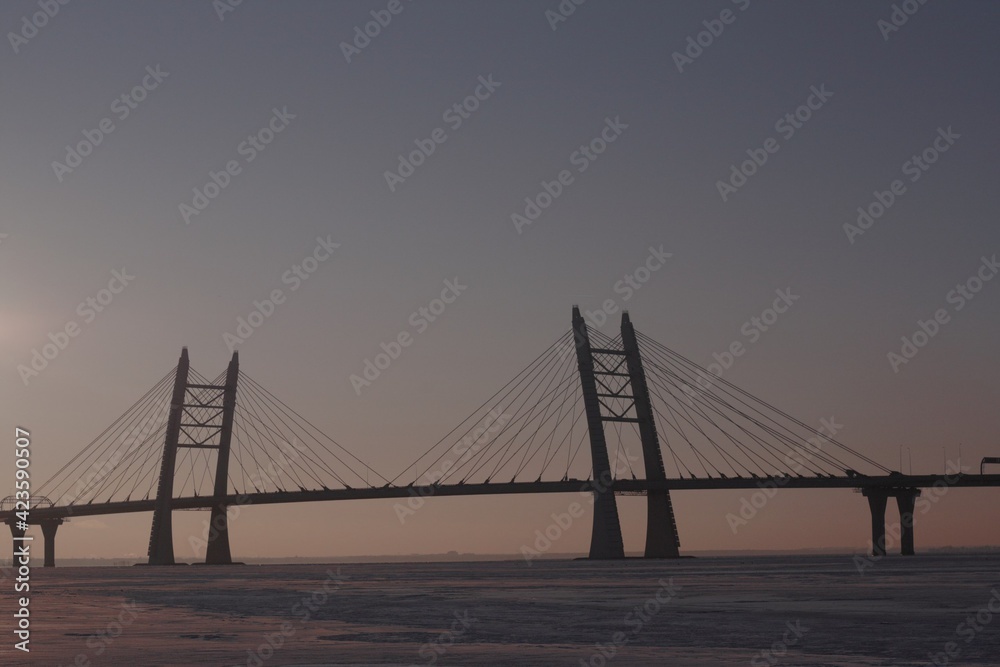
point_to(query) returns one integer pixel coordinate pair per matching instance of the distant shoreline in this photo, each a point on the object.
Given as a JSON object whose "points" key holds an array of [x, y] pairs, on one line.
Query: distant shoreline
{"points": [[454, 557]]}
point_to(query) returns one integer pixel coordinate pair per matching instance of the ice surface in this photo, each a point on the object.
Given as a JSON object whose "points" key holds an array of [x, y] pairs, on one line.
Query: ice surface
{"points": [[725, 611]]}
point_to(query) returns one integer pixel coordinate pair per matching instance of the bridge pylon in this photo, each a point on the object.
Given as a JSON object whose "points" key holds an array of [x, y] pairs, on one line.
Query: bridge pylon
{"points": [[161, 536], [606, 538], [662, 540], [201, 417], [218, 552]]}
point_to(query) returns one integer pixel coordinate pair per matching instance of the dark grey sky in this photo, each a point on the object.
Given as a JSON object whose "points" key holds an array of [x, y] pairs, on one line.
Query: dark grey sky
{"points": [[655, 185]]}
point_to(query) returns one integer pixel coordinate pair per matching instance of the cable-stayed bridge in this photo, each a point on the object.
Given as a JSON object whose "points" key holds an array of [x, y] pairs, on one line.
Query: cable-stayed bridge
{"points": [[570, 421]]}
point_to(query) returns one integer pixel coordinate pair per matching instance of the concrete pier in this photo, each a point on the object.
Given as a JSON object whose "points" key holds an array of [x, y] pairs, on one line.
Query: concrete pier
{"points": [[49, 527], [906, 500], [876, 502]]}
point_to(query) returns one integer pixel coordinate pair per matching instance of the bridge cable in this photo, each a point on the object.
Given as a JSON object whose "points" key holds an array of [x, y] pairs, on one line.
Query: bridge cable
{"points": [[501, 442], [766, 404], [535, 432], [529, 418], [524, 419], [248, 444], [795, 440], [276, 404], [567, 388], [675, 423], [108, 454], [703, 401], [141, 417], [258, 405], [691, 421], [53, 483], [139, 465], [654, 391], [516, 380], [521, 419], [706, 399], [667, 387], [573, 417], [269, 412]]}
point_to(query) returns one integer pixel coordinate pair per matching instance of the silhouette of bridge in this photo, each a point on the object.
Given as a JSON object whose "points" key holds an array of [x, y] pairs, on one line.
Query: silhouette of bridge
{"points": [[189, 444]]}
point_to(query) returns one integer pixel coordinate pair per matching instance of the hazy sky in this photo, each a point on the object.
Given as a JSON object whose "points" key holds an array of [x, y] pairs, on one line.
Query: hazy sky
{"points": [[879, 97]]}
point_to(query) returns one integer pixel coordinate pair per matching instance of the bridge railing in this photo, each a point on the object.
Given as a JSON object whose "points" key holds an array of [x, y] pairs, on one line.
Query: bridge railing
{"points": [[10, 503]]}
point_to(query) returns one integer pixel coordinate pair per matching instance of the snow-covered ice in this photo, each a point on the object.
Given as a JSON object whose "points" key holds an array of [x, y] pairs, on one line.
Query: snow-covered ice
{"points": [[812, 610]]}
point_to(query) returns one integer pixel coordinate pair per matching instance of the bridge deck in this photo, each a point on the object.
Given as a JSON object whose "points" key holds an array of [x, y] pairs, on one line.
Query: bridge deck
{"points": [[886, 482]]}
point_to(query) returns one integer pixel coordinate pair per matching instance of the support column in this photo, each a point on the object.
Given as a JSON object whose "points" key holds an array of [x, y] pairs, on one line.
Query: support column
{"points": [[15, 534], [906, 500], [606, 538], [218, 552], [49, 527], [876, 502], [662, 540], [161, 537]]}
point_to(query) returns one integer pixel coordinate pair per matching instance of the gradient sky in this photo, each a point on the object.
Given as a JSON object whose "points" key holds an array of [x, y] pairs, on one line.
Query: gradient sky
{"points": [[656, 185]]}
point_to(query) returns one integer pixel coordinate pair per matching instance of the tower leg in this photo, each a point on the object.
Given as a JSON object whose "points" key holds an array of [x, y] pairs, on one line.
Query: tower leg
{"points": [[606, 538], [218, 552], [49, 527], [877, 502], [161, 534], [662, 540], [906, 501]]}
